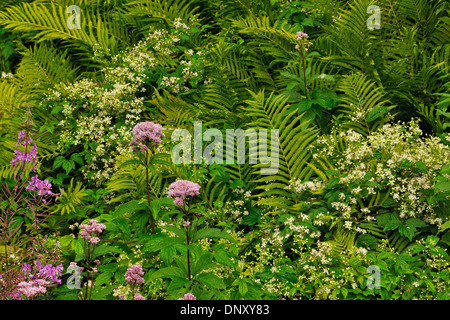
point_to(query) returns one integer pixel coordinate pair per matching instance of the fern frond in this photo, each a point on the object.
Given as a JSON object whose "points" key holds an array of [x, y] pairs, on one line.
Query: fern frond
{"points": [[42, 21], [144, 11], [363, 103], [273, 112], [275, 39], [42, 66]]}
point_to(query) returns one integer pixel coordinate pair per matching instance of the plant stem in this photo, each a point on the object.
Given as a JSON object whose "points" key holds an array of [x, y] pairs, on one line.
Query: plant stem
{"points": [[188, 253], [302, 54], [152, 221]]}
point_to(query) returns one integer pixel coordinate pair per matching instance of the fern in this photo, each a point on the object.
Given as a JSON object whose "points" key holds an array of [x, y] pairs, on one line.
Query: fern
{"points": [[48, 21], [43, 66], [144, 11], [365, 100], [273, 112]]}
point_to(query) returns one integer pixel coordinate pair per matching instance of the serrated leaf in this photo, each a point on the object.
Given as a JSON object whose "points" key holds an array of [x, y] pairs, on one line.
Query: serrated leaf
{"points": [[58, 162], [103, 278], [130, 206], [68, 165], [421, 166], [210, 280], [204, 262], [376, 113], [168, 272], [78, 158], [212, 233], [443, 186], [161, 243]]}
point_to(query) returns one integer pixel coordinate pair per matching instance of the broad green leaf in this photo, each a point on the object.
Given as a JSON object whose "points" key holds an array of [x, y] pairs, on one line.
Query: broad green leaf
{"points": [[212, 233], [130, 206], [168, 272], [204, 262], [161, 243], [210, 280]]}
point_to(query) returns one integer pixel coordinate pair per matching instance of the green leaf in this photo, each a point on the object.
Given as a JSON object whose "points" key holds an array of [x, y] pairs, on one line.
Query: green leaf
{"points": [[178, 231], [56, 109], [161, 243], [210, 280], [222, 257], [421, 166], [103, 278], [130, 206], [78, 158], [129, 162], [105, 249], [445, 226], [414, 222], [204, 262], [109, 267], [344, 292], [58, 162], [389, 221], [212, 233], [242, 287], [123, 225], [168, 272], [443, 186], [376, 113], [167, 254], [68, 165]]}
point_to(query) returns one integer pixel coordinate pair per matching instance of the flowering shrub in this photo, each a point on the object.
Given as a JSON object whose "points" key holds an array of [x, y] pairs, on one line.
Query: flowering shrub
{"points": [[99, 117], [393, 168]]}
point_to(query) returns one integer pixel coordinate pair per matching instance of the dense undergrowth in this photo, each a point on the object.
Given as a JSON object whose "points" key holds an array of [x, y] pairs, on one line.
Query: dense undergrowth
{"points": [[113, 188]]}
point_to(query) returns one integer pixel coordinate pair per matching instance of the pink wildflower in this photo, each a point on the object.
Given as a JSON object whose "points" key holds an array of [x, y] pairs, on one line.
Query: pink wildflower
{"points": [[29, 290], [186, 224], [41, 186], [147, 133], [188, 296], [134, 274], [138, 296], [94, 240], [88, 231], [301, 36], [180, 189]]}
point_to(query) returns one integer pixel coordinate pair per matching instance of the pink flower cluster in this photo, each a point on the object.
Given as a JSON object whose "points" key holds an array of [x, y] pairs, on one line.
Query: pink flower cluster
{"points": [[180, 189], [302, 37], [147, 133], [32, 288], [30, 155], [134, 274], [188, 296], [35, 279], [42, 186], [91, 230], [138, 296]]}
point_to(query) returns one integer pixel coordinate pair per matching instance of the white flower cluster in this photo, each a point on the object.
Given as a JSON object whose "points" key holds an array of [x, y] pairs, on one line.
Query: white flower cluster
{"points": [[394, 159], [298, 186]]}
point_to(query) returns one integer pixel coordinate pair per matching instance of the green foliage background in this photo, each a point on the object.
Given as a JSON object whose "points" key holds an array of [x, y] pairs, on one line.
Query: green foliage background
{"points": [[249, 76]]}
